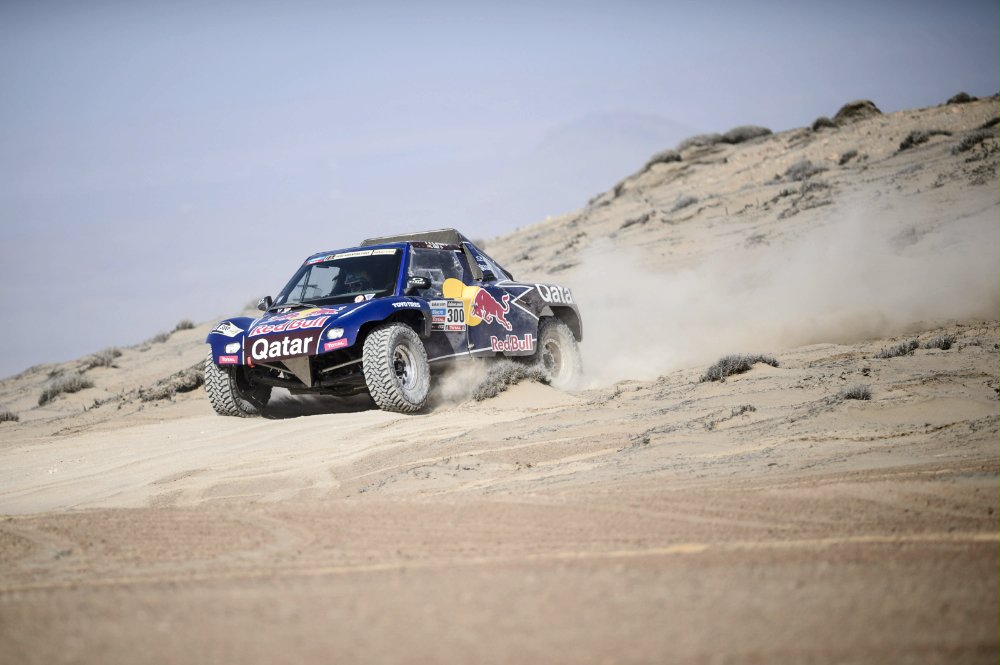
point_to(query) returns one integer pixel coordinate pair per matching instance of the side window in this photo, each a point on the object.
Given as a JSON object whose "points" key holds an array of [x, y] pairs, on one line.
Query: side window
{"points": [[486, 263], [437, 265]]}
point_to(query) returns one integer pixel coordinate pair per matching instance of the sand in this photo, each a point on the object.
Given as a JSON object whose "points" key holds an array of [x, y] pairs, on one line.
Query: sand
{"points": [[646, 517]]}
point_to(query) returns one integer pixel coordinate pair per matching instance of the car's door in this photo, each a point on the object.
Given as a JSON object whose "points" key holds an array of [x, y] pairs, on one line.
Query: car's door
{"points": [[449, 330], [500, 321]]}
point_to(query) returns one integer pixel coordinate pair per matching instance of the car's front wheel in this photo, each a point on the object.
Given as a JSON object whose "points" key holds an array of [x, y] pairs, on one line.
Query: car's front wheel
{"points": [[232, 393], [395, 365], [558, 353]]}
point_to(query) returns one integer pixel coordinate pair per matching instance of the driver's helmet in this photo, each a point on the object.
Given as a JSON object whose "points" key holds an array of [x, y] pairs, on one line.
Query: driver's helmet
{"points": [[359, 280]]}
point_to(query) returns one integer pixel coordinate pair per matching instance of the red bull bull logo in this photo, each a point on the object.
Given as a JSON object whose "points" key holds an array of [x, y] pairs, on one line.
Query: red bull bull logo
{"points": [[480, 305], [489, 309]]}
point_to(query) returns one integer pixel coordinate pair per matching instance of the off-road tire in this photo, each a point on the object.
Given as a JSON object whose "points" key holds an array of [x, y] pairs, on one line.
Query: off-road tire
{"points": [[395, 365], [231, 394], [558, 353]]}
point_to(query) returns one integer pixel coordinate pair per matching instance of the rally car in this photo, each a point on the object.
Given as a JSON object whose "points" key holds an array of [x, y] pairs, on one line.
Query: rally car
{"points": [[378, 317]]}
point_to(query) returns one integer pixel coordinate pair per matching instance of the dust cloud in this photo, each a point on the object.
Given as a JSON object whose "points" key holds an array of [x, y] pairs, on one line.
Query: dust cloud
{"points": [[874, 268]]}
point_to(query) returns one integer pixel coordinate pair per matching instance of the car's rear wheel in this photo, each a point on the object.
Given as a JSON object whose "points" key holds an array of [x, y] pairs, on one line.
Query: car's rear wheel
{"points": [[395, 365], [232, 393], [558, 353]]}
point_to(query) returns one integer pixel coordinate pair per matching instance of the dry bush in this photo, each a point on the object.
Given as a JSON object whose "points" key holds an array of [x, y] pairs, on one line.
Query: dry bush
{"points": [[960, 98], [184, 324], [662, 157], [992, 122], [972, 139], [943, 342], [8, 417], [65, 384], [745, 133], [846, 157], [183, 381], [859, 391], [735, 364], [105, 358], [504, 373], [159, 338], [684, 202], [856, 111], [902, 349], [918, 136], [803, 169], [823, 122], [699, 141]]}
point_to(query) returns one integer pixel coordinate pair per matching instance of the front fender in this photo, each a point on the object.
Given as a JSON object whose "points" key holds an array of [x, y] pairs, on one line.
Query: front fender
{"points": [[229, 333], [374, 312]]}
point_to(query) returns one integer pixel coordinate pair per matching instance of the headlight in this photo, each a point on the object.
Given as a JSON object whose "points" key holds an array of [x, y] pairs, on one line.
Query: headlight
{"points": [[334, 333], [233, 348]]}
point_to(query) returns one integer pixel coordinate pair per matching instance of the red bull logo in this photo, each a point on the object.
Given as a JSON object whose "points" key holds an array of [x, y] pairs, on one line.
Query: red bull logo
{"points": [[480, 305], [489, 309], [513, 344]]}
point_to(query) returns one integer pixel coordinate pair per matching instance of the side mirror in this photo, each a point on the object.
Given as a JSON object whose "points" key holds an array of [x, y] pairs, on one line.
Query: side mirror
{"points": [[417, 282], [264, 303], [488, 276]]}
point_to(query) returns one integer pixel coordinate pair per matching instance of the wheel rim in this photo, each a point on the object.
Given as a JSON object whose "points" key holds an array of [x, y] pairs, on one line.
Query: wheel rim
{"points": [[552, 358], [403, 365]]}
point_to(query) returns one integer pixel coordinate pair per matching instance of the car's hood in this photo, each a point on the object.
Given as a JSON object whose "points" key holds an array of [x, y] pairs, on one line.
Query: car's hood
{"points": [[285, 320]]}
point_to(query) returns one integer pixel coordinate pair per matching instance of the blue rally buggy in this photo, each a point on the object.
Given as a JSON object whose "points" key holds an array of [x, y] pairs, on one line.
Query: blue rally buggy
{"points": [[376, 318]]}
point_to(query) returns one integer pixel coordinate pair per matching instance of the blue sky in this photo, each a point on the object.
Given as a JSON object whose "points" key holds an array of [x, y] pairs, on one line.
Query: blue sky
{"points": [[161, 161]]}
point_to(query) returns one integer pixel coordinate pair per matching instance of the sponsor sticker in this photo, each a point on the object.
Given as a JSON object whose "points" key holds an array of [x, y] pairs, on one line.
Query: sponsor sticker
{"points": [[406, 303], [352, 255], [383, 252], [335, 344], [229, 360], [512, 343], [228, 329], [287, 326], [555, 294], [448, 315], [288, 346]]}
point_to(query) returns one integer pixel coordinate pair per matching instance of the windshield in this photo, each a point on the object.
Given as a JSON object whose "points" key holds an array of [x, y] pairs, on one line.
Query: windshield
{"points": [[342, 278]]}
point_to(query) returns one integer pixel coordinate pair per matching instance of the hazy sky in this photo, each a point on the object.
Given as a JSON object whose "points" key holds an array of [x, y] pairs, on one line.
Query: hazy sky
{"points": [[169, 160]]}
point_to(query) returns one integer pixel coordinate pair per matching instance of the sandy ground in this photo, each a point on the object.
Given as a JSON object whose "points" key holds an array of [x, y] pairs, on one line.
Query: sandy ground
{"points": [[647, 518]]}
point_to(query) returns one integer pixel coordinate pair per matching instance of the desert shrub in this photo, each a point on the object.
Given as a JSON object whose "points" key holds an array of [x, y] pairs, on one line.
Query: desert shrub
{"points": [[745, 133], [902, 349], [847, 156], [71, 383], [637, 221], [855, 111], [859, 391], [918, 136], [943, 342], [105, 358], [699, 141], [735, 364], [504, 373], [961, 98], [823, 122], [184, 324], [662, 157], [183, 381], [684, 202], [992, 122], [972, 139], [739, 411], [8, 417], [159, 338], [803, 169]]}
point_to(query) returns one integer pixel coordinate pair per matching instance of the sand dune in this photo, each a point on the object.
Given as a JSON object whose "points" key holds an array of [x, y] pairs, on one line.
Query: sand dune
{"points": [[648, 517]]}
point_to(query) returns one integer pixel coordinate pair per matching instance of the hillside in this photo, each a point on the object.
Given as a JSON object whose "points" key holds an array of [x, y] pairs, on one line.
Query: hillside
{"points": [[835, 502]]}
